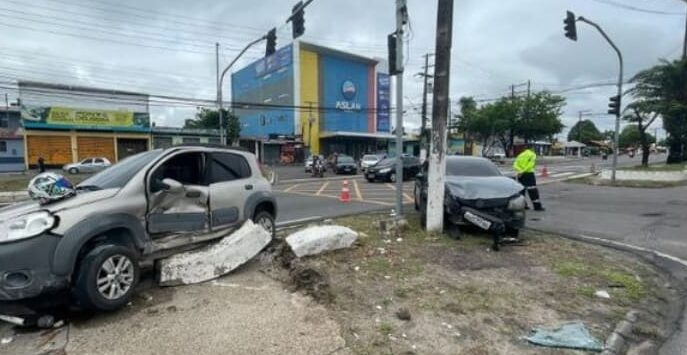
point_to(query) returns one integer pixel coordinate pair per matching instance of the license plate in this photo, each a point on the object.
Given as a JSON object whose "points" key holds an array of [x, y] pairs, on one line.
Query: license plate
{"points": [[371, 176], [477, 220], [347, 169]]}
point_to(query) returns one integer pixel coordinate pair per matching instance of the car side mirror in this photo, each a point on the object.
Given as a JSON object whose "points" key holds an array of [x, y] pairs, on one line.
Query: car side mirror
{"points": [[171, 185]]}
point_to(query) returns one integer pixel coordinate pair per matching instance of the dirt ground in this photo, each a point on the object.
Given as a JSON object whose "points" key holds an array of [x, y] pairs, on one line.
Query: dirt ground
{"points": [[413, 294]]}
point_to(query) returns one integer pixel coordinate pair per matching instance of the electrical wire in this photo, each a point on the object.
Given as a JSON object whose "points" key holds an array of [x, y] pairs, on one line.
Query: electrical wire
{"points": [[638, 9]]}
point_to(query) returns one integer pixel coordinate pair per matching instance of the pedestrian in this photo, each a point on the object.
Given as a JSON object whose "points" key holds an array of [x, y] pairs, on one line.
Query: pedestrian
{"points": [[525, 166], [41, 165]]}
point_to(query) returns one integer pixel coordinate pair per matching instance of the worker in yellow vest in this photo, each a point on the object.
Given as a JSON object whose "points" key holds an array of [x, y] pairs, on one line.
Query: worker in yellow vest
{"points": [[525, 166]]}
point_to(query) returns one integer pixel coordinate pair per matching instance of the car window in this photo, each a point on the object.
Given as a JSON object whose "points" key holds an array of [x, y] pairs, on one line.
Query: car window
{"points": [[121, 173], [99, 161], [346, 160], [410, 161], [471, 167], [387, 161], [86, 161], [228, 167], [370, 158], [186, 168]]}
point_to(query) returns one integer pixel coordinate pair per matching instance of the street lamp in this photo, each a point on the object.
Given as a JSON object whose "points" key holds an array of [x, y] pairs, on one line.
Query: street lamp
{"points": [[571, 33], [222, 137]]}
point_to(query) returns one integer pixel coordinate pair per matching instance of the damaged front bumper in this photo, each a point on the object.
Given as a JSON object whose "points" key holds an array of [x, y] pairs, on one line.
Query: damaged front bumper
{"points": [[25, 268], [491, 220]]}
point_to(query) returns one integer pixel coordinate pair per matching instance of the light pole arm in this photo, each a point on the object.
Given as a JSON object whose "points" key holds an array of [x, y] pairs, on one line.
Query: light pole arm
{"points": [[616, 138], [220, 104]]}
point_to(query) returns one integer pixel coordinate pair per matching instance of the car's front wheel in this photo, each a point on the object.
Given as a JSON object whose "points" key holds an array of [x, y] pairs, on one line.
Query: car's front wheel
{"points": [[265, 220], [107, 277], [392, 177], [73, 171]]}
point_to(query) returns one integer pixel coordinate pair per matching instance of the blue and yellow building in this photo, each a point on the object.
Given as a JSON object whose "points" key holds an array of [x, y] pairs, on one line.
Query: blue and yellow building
{"points": [[327, 100]]}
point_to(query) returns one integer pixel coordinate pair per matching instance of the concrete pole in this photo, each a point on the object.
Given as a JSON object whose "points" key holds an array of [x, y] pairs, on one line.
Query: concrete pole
{"points": [[219, 100], [437, 154], [401, 13], [423, 128]]}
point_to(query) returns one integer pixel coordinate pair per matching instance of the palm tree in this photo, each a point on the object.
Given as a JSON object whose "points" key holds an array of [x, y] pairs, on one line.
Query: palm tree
{"points": [[663, 88]]}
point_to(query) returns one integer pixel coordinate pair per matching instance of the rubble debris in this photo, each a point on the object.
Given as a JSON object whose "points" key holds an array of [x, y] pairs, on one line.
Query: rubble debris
{"points": [[319, 239], [403, 314], [312, 282], [570, 335], [7, 340], [214, 260], [602, 294]]}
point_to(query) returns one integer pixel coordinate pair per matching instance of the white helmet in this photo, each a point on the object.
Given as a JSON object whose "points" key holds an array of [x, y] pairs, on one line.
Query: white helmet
{"points": [[50, 187]]}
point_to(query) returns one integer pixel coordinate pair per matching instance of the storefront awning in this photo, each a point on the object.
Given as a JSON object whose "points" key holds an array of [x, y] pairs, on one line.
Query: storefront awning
{"points": [[388, 136]]}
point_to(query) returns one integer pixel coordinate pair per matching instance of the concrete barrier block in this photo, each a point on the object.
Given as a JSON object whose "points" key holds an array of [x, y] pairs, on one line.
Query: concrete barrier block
{"points": [[214, 260], [320, 239]]}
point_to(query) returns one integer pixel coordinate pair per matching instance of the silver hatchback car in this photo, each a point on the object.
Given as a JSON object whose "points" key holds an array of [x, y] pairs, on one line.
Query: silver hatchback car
{"points": [[144, 208], [88, 165]]}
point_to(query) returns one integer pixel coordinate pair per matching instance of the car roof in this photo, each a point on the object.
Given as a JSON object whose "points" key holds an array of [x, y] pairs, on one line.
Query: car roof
{"points": [[209, 146]]}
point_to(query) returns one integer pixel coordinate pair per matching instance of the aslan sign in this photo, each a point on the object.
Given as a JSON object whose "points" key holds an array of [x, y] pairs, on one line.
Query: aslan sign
{"points": [[349, 92]]}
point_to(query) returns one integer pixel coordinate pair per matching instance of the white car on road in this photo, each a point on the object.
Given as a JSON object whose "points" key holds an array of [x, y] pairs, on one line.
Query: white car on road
{"points": [[88, 165]]}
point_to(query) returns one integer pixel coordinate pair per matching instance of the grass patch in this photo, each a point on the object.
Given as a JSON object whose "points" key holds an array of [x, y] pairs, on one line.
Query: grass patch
{"points": [[386, 328], [633, 288], [20, 182], [641, 184], [657, 167]]}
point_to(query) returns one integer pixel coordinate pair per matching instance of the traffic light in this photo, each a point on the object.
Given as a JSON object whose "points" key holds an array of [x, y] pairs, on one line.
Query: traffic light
{"points": [[298, 20], [570, 27], [394, 67], [271, 42], [614, 105]]}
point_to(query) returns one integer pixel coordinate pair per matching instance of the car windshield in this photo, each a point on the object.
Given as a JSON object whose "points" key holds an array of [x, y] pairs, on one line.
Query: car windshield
{"points": [[119, 174], [471, 167], [387, 161], [370, 158], [346, 160]]}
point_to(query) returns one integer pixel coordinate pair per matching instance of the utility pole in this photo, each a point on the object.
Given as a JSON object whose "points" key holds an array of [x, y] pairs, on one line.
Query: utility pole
{"points": [[437, 154], [401, 20], [219, 105], [684, 45], [7, 110], [424, 137]]}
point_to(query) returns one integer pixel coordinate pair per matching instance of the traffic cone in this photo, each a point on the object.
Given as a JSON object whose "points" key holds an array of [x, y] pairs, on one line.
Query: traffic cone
{"points": [[345, 193], [544, 172]]}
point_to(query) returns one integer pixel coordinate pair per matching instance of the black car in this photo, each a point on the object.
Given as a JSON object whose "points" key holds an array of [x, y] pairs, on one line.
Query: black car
{"points": [[345, 165], [385, 170], [477, 194]]}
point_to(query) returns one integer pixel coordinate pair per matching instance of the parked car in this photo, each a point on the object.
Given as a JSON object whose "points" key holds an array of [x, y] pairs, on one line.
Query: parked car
{"points": [[88, 165], [369, 160], [308, 163], [146, 207], [345, 165], [477, 194], [385, 170]]}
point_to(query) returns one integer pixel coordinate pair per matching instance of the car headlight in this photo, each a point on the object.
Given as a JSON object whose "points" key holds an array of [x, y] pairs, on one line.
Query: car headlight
{"points": [[26, 226], [517, 203], [385, 170]]}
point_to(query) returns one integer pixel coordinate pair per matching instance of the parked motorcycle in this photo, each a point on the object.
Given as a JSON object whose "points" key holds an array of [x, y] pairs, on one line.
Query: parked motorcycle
{"points": [[317, 169]]}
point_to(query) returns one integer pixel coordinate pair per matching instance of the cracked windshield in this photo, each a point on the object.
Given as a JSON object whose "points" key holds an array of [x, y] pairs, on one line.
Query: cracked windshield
{"points": [[324, 177]]}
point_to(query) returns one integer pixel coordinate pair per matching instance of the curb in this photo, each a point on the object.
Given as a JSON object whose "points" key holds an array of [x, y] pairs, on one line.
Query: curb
{"points": [[616, 342], [573, 177], [13, 196]]}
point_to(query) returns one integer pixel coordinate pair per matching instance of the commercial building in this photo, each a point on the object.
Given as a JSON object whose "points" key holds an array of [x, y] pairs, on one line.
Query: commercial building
{"points": [[65, 124], [165, 137], [11, 140], [315, 98]]}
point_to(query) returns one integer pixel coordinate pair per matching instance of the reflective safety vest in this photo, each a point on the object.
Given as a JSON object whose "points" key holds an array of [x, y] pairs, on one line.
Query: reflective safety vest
{"points": [[525, 162]]}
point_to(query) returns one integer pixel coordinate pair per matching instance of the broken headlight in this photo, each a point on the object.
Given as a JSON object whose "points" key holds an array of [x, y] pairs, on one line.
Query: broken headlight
{"points": [[26, 226], [517, 203]]}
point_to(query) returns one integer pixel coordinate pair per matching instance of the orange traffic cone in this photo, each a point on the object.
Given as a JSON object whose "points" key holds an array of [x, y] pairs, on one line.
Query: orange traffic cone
{"points": [[544, 172], [345, 193]]}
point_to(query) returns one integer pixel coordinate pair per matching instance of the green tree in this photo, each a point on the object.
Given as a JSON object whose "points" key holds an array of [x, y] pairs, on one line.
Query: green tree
{"points": [[209, 119], [642, 114], [608, 135], [540, 116], [585, 131], [664, 88], [630, 138]]}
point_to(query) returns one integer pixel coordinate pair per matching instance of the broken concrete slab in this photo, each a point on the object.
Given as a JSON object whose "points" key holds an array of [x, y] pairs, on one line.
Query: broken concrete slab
{"points": [[319, 239], [214, 260]]}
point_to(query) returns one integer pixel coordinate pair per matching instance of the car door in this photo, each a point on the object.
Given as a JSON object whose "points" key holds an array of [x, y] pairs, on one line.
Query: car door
{"points": [[86, 166], [178, 195], [98, 164], [230, 187]]}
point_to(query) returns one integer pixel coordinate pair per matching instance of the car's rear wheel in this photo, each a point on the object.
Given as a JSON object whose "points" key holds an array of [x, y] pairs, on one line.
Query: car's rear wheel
{"points": [[392, 177], [265, 220], [107, 277], [73, 171]]}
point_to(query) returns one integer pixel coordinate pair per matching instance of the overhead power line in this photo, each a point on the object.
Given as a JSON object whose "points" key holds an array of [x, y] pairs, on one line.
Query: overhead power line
{"points": [[639, 9]]}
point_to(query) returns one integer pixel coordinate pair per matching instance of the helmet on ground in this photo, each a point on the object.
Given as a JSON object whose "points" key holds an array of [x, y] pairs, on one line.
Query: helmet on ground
{"points": [[50, 187]]}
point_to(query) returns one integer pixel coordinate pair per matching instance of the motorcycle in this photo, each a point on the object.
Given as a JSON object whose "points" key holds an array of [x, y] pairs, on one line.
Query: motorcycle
{"points": [[317, 169]]}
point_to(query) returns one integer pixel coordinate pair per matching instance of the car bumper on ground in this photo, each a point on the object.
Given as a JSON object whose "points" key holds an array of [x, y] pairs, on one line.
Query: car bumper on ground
{"points": [[25, 268]]}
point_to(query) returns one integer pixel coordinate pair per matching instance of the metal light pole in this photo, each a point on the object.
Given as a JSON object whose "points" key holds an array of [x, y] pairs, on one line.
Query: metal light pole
{"points": [[220, 105], [616, 138]]}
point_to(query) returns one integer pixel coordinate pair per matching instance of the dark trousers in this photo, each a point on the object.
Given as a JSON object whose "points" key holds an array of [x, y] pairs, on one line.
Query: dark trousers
{"points": [[529, 180]]}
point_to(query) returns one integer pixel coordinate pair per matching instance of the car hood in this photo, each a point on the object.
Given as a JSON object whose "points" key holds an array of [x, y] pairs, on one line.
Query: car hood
{"points": [[80, 199], [491, 187], [72, 165]]}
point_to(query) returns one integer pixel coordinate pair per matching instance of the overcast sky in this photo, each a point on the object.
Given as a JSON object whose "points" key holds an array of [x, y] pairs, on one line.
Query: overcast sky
{"points": [[167, 47]]}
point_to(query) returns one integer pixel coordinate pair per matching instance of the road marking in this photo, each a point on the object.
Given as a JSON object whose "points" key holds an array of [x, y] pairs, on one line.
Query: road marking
{"points": [[562, 174], [392, 187], [324, 186], [288, 189], [634, 247], [357, 190]]}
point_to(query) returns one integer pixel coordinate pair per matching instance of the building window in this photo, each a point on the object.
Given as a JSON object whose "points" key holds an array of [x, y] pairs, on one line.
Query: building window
{"points": [[3, 147], [4, 121]]}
